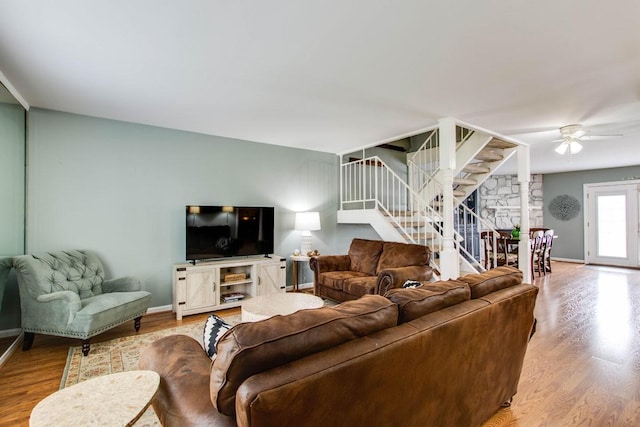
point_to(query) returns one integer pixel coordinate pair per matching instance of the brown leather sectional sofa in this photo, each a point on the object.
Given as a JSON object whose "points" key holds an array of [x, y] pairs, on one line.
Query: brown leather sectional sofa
{"points": [[444, 354], [370, 267]]}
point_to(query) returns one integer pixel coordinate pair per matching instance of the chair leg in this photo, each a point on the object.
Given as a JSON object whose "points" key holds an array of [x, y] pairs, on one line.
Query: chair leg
{"points": [[548, 267], [28, 341], [86, 346], [136, 323]]}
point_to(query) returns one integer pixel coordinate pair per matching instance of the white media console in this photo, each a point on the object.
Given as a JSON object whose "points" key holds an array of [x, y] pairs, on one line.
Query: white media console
{"points": [[216, 285]]}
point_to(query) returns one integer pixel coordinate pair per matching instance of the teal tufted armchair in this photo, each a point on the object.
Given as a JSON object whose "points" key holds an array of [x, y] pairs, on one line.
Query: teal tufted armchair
{"points": [[66, 294]]}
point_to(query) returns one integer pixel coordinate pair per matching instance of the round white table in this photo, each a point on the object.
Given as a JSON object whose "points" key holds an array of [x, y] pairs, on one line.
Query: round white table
{"points": [[263, 307], [110, 400]]}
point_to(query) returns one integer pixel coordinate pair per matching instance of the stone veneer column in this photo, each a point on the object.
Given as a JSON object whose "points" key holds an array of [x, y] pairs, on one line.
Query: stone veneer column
{"points": [[503, 191]]}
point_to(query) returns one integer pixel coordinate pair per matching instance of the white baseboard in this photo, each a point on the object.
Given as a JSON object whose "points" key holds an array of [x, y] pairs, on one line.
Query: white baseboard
{"points": [[308, 285], [578, 261], [159, 309]]}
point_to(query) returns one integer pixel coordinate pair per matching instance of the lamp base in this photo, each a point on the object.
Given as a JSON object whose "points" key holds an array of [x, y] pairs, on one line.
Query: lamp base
{"points": [[305, 245]]}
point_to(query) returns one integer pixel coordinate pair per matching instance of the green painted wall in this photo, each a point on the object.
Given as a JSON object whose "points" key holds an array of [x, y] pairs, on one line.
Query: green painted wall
{"points": [[570, 241], [120, 189]]}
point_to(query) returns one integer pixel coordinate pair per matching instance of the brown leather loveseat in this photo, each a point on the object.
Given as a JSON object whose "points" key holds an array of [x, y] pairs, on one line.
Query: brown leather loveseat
{"points": [[444, 354], [370, 267]]}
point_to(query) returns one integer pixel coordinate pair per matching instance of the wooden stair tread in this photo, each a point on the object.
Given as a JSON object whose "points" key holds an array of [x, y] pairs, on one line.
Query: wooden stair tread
{"points": [[459, 193], [498, 143], [476, 168], [464, 181], [489, 156], [415, 223]]}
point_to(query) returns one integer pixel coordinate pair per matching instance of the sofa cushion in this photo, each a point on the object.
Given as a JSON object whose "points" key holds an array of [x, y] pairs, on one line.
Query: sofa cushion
{"points": [[492, 280], [214, 329], [427, 298], [402, 255], [365, 255], [360, 286], [336, 279], [250, 348]]}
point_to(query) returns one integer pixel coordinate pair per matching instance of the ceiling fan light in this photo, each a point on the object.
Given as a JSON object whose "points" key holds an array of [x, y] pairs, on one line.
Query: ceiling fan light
{"points": [[562, 148], [575, 147]]}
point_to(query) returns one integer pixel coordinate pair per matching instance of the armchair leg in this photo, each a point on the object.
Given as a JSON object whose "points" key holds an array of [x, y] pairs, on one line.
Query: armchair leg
{"points": [[136, 323], [27, 341], [86, 346]]}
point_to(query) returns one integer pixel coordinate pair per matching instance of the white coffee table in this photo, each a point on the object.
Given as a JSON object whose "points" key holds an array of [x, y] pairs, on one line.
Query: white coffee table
{"points": [[263, 307], [110, 400]]}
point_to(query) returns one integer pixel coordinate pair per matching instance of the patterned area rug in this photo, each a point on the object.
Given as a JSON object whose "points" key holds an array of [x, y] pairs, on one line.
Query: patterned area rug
{"points": [[121, 354]]}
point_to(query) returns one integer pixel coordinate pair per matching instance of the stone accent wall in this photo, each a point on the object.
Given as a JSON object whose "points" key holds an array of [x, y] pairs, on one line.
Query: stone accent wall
{"points": [[504, 190]]}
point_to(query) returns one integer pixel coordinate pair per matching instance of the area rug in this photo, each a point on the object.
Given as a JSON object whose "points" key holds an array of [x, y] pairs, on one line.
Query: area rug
{"points": [[121, 354]]}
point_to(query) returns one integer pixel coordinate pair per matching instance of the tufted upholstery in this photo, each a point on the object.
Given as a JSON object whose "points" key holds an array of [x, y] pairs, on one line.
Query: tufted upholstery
{"points": [[66, 294]]}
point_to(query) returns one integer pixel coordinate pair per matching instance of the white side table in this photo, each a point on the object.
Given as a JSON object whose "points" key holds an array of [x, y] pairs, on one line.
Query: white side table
{"points": [[296, 260], [266, 306], [110, 400]]}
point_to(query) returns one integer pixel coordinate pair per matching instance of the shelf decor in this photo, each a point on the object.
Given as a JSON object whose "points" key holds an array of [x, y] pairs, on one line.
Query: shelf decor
{"points": [[564, 207]]}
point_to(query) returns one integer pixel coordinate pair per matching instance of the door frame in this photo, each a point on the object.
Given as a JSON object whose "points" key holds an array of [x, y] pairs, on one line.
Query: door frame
{"points": [[634, 254]]}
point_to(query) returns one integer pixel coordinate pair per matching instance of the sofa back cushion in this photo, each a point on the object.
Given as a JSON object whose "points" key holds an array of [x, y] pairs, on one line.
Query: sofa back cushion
{"points": [[402, 255], [78, 271], [427, 298], [364, 255], [492, 280], [250, 348]]}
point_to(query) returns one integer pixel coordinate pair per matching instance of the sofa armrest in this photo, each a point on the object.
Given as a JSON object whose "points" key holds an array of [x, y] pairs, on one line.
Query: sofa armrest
{"points": [[66, 297], [59, 308], [183, 397], [324, 263], [121, 284], [395, 277]]}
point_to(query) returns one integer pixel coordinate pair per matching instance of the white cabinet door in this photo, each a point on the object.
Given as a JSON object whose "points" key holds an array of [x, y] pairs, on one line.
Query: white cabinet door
{"points": [[271, 278], [201, 288]]}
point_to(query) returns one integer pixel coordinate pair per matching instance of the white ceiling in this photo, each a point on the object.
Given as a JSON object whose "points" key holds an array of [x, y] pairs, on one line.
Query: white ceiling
{"points": [[337, 75]]}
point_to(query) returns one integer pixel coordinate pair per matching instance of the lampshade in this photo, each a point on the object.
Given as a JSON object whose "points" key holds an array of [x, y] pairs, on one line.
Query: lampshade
{"points": [[307, 221], [227, 209]]}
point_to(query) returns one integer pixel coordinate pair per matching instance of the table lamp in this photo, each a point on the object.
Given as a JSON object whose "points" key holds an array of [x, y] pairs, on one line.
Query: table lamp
{"points": [[306, 222]]}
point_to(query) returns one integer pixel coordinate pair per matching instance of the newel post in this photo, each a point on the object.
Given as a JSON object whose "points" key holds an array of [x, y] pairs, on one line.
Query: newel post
{"points": [[524, 177], [449, 263]]}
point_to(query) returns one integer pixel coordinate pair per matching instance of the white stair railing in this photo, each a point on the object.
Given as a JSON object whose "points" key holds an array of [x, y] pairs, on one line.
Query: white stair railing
{"points": [[370, 184], [423, 168]]}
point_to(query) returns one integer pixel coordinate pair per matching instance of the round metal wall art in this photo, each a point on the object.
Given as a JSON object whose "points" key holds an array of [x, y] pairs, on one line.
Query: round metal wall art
{"points": [[564, 207]]}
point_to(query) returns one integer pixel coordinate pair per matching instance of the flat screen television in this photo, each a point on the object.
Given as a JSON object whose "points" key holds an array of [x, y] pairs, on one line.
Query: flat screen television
{"points": [[228, 231]]}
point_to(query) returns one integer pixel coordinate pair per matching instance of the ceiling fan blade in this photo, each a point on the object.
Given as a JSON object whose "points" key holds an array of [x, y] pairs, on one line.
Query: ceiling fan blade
{"points": [[560, 140], [589, 137]]}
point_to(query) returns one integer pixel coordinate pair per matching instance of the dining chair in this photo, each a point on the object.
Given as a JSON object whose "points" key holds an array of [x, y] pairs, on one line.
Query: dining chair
{"points": [[537, 252], [495, 243], [549, 234]]}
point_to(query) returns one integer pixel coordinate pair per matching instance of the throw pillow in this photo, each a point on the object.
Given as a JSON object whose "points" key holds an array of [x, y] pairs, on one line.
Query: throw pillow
{"points": [[411, 284], [214, 329]]}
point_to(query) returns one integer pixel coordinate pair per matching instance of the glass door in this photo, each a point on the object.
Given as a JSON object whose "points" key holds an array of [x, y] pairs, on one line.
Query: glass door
{"points": [[611, 224]]}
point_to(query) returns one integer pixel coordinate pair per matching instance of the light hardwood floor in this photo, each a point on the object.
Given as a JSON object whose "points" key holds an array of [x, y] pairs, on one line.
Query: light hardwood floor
{"points": [[582, 365]]}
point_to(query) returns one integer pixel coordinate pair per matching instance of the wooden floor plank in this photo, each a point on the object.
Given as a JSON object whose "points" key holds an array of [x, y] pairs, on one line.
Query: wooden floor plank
{"points": [[582, 366]]}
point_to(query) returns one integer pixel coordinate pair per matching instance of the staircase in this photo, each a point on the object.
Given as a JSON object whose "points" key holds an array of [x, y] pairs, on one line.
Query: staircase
{"points": [[414, 211]]}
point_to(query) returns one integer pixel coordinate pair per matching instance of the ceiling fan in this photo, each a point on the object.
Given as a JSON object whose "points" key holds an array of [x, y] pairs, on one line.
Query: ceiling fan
{"points": [[572, 134]]}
